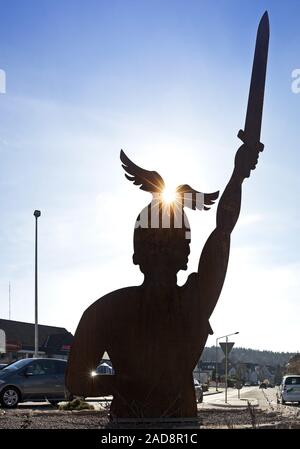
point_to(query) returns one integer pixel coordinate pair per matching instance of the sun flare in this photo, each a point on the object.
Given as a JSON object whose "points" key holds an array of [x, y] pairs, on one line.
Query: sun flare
{"points": [[169, 195]]}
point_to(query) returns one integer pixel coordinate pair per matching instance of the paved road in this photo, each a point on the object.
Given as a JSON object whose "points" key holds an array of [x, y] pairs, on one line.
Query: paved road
{"points": [[232, 393], [209, 397], [266, 399]]}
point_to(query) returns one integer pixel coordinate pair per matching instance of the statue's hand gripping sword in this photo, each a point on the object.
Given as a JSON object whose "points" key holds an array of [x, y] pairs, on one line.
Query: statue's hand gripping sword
{"points": [[250, 136]]}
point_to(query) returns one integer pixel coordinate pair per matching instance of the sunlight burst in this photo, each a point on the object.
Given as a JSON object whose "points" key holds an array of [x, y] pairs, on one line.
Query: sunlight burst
{"points": [[169, 195]]}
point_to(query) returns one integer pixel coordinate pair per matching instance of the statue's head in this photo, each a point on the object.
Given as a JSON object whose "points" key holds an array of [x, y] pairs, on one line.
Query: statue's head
{"points": [[161, 239], [162, 231]]}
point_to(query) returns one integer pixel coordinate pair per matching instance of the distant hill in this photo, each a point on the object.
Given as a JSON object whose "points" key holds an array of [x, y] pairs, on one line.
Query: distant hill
{"points": [[248, 355]]}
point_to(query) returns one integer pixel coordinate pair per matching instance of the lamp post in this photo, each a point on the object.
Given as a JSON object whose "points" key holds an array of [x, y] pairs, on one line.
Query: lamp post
{"points": [[37, 214], [226, 361], [216, 370]]}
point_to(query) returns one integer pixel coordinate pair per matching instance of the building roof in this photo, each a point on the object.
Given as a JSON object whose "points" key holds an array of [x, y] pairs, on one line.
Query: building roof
{"points": [[58, 343], [23, 333]]}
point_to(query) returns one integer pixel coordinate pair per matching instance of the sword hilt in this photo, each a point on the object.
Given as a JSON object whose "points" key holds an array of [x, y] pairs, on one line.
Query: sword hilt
{"points": [[244, 138]]}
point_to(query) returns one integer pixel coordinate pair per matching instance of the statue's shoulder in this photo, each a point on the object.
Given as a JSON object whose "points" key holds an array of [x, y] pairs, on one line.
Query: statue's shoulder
{"points": [[112, 300]]}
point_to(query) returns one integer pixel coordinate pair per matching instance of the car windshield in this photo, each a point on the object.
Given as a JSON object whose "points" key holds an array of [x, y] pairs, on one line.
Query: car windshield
{"points": [[16, 365], [292, 380]]}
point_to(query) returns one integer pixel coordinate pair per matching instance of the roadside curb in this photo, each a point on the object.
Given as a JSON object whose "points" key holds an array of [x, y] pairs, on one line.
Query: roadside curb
{"points": [[214, 392], [232, 404]]}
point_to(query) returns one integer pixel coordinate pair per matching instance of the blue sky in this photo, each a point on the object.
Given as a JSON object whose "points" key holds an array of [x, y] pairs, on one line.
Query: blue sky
{"points": [[168, 82]]}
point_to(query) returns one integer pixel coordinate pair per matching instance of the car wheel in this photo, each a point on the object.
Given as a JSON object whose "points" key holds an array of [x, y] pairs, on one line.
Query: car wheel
{"points": [[10, 397], [282, 401]]}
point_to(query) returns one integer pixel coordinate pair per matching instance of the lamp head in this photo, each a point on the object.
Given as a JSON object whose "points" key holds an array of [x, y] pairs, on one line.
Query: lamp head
{"points": [[37, 213]]}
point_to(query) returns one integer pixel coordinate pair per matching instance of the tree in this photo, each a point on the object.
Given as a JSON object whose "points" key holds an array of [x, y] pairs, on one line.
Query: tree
{"points": [[278, 375], [293, 366]]}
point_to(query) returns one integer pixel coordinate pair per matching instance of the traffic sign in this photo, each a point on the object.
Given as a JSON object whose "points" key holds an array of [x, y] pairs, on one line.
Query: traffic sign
{"points": [[229, 347]]}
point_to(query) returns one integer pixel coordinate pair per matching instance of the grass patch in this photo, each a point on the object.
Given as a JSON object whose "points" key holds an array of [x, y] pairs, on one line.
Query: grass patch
{"points": [[76, 404]]}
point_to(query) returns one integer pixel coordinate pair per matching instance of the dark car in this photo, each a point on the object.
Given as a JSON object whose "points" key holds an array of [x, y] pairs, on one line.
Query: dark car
{"points": [[230, 383], [198, 391], [3, 365], [104, 368], [33, 380], [262, 385], [205, 387]]}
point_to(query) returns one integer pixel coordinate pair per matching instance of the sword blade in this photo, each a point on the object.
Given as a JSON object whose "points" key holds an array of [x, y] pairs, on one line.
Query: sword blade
{"points": [[252, 130]]}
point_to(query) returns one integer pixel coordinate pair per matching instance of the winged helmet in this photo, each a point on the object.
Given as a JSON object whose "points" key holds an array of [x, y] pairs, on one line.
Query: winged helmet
{"points": [[151, 181]]}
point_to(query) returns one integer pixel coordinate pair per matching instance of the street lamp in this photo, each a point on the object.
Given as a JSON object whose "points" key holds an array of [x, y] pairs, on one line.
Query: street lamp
{"points": [[216, 370], [226, 362], [37, 214]]}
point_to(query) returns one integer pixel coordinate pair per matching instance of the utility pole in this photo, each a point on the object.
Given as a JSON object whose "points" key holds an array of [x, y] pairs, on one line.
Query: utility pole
{"points": [[9, 302], [226, 359], [226, 369], [216, 369], [37, 214]]}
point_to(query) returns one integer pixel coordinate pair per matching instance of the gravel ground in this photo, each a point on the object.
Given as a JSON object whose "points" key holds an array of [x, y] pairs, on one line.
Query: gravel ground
{"points": [[248, 418], [282, 417]]}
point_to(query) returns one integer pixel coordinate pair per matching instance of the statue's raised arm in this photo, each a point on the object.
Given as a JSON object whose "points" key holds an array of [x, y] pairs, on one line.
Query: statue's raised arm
{"points": [[214, 258]]}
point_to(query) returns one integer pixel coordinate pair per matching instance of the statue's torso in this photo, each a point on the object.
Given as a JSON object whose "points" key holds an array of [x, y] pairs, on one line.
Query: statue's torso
{"points": [[154, 338]]}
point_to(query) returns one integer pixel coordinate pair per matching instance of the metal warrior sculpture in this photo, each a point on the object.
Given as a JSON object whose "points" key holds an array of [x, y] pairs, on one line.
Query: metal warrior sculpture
{"points": [[155, 333]]}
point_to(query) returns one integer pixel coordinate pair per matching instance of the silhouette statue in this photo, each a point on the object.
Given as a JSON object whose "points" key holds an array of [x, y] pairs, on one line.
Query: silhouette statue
{"points": [[155, 333]]}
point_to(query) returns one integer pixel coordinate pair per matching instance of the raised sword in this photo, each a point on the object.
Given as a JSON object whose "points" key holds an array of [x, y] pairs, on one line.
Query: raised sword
{"points": [[251, 133]]}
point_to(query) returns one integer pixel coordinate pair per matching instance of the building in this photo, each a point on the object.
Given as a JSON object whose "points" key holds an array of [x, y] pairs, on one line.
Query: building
{"points": [[19, 341]]}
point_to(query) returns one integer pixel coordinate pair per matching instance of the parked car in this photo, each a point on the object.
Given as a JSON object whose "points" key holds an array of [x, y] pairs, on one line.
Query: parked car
{"points": [[205, 387], [104, 368], [33, 379], [289, 390], [263, 385], [3, 365], [230, 383], [198, 391]]}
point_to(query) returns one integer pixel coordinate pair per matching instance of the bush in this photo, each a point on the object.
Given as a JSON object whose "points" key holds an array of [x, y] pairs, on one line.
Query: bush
{"points": [[76, 404]]}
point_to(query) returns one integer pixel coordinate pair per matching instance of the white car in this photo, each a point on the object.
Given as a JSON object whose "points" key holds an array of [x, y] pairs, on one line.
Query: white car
{"points": [[289, 389]]}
